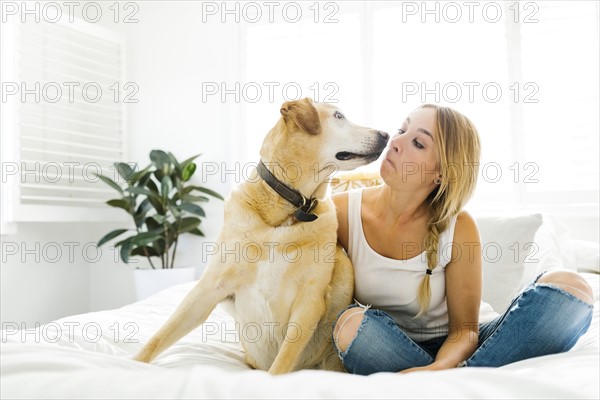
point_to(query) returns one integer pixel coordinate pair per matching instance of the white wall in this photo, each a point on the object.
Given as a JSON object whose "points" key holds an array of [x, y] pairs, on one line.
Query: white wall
{"points": [[41, 279]]}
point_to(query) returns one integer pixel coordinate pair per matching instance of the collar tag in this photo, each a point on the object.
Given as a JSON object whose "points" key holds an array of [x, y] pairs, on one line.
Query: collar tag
{"points": [[303, 213]]}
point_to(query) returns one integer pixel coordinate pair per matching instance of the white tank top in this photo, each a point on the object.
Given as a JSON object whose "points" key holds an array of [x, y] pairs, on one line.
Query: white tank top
{"points": [[391, 285]]}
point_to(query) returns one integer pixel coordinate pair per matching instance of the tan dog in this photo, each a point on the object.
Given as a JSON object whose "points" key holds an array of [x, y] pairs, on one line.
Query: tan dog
{"points": [[289, 278]]}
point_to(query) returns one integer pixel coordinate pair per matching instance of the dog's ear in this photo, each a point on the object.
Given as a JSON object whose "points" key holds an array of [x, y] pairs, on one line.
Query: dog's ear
{"points": [[304, 114]]}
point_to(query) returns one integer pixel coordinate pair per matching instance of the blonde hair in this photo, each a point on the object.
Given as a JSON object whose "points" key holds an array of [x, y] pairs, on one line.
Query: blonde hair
{"points": [[457, 143]]}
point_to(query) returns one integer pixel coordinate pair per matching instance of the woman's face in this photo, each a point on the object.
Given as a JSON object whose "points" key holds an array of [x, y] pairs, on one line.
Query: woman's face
{"points": [[411, 159]]}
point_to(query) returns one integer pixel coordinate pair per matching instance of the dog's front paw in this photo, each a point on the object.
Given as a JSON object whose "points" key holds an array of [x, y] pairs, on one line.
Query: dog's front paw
{"points": [[275, 371], [142, 357], [279, 367]]}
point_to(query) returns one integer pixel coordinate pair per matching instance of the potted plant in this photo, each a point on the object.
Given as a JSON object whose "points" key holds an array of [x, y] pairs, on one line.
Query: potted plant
{"points": [[163, 205]]}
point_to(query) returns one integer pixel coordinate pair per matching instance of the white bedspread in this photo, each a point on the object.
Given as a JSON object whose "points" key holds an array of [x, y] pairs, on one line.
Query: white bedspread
{"points": [[208, 363]]}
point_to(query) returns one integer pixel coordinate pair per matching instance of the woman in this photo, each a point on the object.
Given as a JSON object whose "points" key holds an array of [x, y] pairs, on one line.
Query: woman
{"points": [[421, 307]]}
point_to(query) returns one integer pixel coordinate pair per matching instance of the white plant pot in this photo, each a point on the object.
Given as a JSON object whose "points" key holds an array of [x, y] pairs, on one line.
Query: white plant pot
{"points": [[150, 281]]}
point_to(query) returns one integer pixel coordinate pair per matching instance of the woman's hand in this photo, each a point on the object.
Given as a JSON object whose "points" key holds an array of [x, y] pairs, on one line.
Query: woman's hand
{"points": [[430, 367]]}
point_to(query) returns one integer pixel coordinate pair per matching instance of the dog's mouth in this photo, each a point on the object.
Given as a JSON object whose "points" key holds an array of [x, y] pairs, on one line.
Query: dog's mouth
{"points": [[366, 157], [346, 155], [371, 156]]}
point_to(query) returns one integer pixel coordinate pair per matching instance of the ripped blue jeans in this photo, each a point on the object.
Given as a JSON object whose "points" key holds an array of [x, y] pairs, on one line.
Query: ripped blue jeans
{"points": [[543, 319]]}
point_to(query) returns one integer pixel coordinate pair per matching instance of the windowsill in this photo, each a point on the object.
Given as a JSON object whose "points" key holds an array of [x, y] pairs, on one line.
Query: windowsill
{"points": [[8, 228]]}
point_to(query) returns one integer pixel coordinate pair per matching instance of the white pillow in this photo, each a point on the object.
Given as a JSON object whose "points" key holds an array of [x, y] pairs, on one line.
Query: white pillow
{"points": [[506, 244]]}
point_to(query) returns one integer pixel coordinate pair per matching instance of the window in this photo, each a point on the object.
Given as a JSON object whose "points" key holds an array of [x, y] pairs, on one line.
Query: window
{"points": [[526, 73], [462, 65], [561, 131], [63, 119]]}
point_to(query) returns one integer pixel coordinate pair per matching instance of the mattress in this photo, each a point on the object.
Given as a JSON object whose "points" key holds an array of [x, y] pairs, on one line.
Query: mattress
{"points": [[89, 356]]}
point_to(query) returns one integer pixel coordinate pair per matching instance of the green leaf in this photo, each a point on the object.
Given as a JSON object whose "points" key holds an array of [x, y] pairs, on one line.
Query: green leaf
{"points": [[110, 235], [126, 252], [207, 191], [140, 190], [167, 236], [120, 203], [176, 179], [162, 162], [188, 171], [184, 163], [142, 210], [159, 246], [145, 251], [196, 232], [193, 209], [159, 224], [139, 238], [161, 219], [173, 159], [124, 170], [174, 162], [144, 207], [191, 198], [157, 204], [159, 174], [165, 187], [187, 189], [159, 158], [146, 237], [139, 220], [174, 210], [178, 188], [140, 177], [170, 239], [152, 223], [187, 224], [153, 197], [152, 187], [110, 182]]}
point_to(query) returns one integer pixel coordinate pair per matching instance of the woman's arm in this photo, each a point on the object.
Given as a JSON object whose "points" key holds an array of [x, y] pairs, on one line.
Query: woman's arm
{"points": [[463, 296]]}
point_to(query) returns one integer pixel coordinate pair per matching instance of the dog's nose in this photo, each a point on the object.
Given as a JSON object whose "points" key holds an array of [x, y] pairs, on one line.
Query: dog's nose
{"points": [[384, 135]]}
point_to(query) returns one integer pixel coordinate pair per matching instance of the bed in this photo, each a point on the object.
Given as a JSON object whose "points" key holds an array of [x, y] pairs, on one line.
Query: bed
{"points": [[88, 355]]}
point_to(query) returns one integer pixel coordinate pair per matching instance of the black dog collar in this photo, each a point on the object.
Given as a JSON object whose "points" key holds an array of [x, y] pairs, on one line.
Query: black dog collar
{"points": [[303, 205]]}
